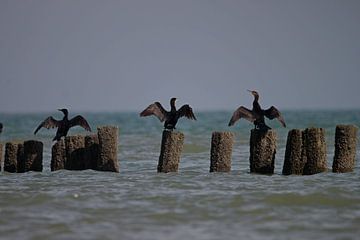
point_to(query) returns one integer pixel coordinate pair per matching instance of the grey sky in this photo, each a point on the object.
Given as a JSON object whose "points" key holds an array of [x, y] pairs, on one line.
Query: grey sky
{"points": [[123, 55]]}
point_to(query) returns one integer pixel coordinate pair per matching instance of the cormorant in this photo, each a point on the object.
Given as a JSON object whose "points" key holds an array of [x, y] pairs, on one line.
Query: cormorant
{"points": [[1, 127], [256, 115], [171, 117], [63, 125]]}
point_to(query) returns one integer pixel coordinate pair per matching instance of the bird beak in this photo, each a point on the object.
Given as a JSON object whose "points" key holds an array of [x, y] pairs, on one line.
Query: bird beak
{"points": [[59, 109], [250, 91]]}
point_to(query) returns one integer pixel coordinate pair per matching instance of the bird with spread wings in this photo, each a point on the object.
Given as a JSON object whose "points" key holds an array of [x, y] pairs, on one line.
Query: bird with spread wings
{"points": [[170, 117], [63, 125], [257, 114]]}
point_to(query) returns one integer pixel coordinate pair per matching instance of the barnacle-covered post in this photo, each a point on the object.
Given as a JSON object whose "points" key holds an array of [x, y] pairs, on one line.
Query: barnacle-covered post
{"points": [[345, 148], [171, 147], [58, 155], [221, 150], [33, 155], [262, 151], [294, 162], [108, 145], [314, 153]]}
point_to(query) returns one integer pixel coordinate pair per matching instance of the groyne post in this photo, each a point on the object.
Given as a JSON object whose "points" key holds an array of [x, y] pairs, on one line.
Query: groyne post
{"points": [[294, 162], [262, 151], [11, 157], [108, 145], [91, 152], [58, 156], [75, 149], [221, 150], [345, 148], [21, 159], [33, 155], [314, 153], [171, 148]]}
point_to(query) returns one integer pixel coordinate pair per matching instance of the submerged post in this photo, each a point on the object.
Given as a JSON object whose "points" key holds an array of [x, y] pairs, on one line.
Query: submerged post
{"points": [[294, 162], [75, 148], [108, 144], [58, 156], [171, 148], [345, 148], [262, 151], [33, 155], [314, 151], [221, 150]]}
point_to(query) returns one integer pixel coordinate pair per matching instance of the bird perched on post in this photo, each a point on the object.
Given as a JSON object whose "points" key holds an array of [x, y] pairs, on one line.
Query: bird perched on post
{"points": [[63, 125], [170, 117], [1, 127], [257, 114]]}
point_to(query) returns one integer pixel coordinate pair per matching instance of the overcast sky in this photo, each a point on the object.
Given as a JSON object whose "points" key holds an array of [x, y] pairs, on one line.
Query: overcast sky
{"points": [[123, 55]]}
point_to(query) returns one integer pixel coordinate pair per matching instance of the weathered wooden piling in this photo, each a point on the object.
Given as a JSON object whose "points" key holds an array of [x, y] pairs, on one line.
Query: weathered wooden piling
{"points": [[108, 144], [221, 150], [91, 152], [11, 157], [21, 159], [262, 151], [314, 151], [294, 162], [171, 148], [33, 155], [345, 148], [75, 152], [58, 156]]}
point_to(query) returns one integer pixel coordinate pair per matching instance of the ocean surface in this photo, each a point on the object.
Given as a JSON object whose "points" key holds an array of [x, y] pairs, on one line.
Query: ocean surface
{"points": [[139, 203]]}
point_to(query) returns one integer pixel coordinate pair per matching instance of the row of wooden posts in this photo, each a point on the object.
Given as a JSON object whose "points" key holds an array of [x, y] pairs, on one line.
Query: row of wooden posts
{"points": [[305, 152]]}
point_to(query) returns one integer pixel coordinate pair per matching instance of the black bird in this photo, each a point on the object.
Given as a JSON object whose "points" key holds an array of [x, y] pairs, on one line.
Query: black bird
{"points": [[171, 117], [256, 115], [63, 125], [1, 127]]}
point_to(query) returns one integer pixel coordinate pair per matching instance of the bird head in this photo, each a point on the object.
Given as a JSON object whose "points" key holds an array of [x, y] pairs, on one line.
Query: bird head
{"points": [[64, 111], [254, 93], [172, 102]]}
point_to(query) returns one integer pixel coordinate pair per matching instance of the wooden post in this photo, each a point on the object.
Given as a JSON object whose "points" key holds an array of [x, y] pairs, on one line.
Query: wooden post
{"points": [[91, 152], [221, 150], [75, 152], [11, 156], [21, 159], [294, 162], [33, 155], [108, 144], [314, 151], [58, 155], [345, 148], [171, 148], [262, 151]]}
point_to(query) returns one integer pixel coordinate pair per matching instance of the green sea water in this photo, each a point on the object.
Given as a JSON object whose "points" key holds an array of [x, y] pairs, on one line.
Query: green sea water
{"points": [[139, 203]]}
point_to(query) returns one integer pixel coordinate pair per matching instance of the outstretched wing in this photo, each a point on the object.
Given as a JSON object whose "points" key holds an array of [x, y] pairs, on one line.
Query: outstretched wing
{"points": [[154, 109], [241, 112], [48, 123], [272, 113], [80, 121], [186, 111]]}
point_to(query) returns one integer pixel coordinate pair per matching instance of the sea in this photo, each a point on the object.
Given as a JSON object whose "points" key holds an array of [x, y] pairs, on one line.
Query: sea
{"points": [[139, 203]]}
